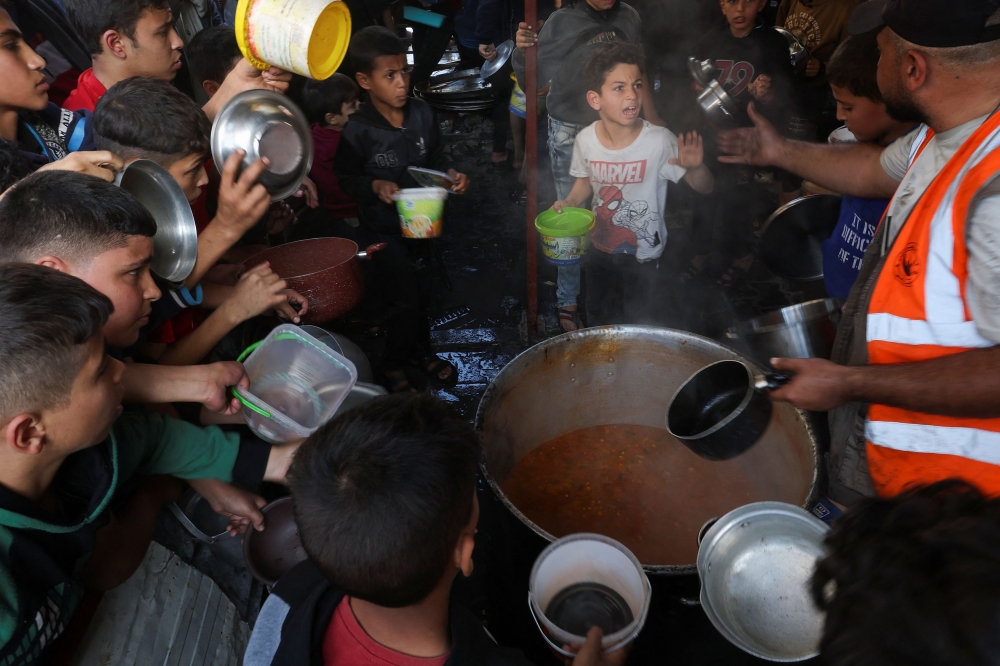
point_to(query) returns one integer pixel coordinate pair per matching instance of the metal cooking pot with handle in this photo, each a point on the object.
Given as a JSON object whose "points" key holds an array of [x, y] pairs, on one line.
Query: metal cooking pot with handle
{"points": [[327, 271], [722, 410], [755, 565], [806, 330]]}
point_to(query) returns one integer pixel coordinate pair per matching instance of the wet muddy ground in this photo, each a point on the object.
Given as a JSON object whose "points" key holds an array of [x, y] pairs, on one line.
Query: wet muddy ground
{"points": [[480, 325]]}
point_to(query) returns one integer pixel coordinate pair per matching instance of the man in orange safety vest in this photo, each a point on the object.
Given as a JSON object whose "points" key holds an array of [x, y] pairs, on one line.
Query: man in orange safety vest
{"points": [[913, 387]]}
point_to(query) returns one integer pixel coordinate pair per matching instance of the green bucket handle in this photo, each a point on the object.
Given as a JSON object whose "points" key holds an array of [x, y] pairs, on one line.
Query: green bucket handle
{"points": [[246, 352]]}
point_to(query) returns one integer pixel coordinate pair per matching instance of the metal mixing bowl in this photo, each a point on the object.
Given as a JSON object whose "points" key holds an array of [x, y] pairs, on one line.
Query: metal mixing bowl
{"points": [[755, 565], [175, 245], [265, 124]]}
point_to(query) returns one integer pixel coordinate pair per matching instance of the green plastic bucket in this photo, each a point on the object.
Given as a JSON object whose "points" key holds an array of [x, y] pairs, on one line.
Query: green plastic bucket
{"points": [[565, 236]]}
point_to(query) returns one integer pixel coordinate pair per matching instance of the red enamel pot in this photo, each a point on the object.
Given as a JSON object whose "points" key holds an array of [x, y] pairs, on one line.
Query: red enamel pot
{"points": [[327, 271]]}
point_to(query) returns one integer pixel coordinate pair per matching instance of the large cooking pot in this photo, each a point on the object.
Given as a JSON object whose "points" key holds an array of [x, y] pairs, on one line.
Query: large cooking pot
{"points": [[327, 271], [627, 375], [806, 330], [792, 239]]}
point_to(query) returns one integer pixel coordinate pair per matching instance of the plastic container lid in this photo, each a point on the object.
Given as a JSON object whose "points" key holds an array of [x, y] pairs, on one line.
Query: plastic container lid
{"points": [[420, 194], [571, 222]]}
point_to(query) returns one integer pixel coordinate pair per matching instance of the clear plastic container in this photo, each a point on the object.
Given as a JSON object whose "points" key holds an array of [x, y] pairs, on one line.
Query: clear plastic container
{"points": [[296, 384]]}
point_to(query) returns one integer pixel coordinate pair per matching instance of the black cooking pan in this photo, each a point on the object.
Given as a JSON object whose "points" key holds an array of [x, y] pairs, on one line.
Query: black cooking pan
{"points": [[722, 410]]}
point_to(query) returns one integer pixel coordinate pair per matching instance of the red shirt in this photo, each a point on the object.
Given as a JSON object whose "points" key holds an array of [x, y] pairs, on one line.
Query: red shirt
{"points": [[88, 91], [347, 644], [325, 142]]}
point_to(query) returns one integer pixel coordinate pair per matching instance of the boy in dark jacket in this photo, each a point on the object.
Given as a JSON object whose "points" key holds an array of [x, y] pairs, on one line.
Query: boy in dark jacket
{"points": [[752, 63], [385, 503], [390, 133]]}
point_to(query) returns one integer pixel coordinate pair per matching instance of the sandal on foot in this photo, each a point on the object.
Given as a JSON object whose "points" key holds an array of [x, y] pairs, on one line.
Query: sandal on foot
{"points": [[569, 317], [431, 366], [398, 382]]}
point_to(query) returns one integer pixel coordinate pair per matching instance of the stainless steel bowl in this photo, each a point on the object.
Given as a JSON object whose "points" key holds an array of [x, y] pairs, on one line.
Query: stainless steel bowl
{"points": [[806, 330], [265, 124], [755, 564], [175, 245], [717, 105]]}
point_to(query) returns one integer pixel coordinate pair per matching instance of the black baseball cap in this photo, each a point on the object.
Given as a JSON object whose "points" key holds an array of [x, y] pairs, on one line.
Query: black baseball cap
{"points": [[934, 23]]}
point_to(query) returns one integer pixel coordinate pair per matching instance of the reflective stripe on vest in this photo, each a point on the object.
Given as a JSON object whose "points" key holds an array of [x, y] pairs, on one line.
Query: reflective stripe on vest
{"points": [[918, 312]]}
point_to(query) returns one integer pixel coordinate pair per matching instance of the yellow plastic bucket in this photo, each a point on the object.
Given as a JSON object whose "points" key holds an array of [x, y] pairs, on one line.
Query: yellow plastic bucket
{"points": [[308, 37]]}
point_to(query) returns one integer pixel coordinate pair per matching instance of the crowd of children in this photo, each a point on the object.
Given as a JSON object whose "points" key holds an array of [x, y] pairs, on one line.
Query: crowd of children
{"points": [[384, 495]]}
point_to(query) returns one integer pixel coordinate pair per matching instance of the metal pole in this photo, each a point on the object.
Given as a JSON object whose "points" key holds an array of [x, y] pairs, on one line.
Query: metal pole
{"points": [[531, 155]]}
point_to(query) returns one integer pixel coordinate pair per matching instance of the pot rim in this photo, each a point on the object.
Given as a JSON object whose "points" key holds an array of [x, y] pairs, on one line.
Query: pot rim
{"points": [[540, 349], [747, 397], [248, 261]]}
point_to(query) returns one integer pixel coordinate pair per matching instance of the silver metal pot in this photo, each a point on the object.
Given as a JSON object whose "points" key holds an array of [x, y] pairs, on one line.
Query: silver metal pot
{"points": [[755, 565], [703, 71], [627, 375], [265, 124], [717, 105], [806, 330], [175, 245]]}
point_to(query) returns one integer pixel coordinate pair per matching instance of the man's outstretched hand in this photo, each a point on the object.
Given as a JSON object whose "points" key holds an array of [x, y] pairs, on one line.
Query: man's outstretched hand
{"points": [[760, 145]]}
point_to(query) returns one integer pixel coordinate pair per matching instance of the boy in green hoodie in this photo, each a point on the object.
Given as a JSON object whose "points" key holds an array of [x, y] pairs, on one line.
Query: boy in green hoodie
{"points": [[70, 459]]}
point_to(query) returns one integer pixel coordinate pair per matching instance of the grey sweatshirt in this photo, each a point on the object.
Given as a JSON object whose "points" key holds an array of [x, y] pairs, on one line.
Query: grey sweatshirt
{"points": [[562, 50]]}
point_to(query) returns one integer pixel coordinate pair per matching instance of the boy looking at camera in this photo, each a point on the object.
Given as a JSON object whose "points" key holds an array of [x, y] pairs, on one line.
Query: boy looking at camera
{"points": [[752, 65], [625, 163], [77, 499], [390, 133], [852, 74]]}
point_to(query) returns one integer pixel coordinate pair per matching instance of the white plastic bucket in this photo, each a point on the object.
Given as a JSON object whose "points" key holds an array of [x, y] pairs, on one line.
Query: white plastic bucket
{"points": [[421, 211], [308, 37], [588, 558]]}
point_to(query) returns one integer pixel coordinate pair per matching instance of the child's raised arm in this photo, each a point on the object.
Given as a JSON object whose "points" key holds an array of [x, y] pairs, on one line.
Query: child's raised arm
{"points": [[691, 156], [578, 195]]}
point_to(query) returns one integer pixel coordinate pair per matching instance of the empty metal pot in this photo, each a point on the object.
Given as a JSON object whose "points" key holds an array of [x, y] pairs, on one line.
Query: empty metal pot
{"points": [[722, 410], [806, 330], [755, 565], [791, 242], [798, 54]]}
